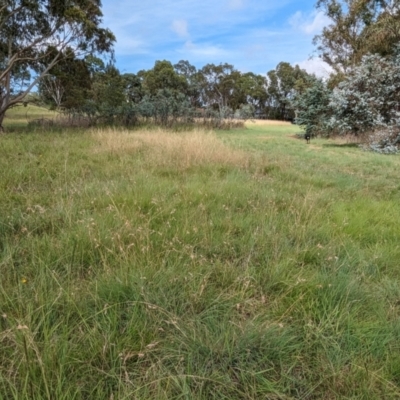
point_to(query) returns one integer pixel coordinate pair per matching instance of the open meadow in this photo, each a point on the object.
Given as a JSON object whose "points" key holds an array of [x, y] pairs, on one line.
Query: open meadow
{"points": [[241, 264]]}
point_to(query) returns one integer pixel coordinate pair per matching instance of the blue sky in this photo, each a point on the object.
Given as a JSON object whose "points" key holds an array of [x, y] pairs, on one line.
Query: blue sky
{"points": [[253, 35]]}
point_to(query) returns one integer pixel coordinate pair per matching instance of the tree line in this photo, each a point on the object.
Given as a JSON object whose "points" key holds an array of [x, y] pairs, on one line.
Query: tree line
{"points": [[58, 48], [97, 89]]}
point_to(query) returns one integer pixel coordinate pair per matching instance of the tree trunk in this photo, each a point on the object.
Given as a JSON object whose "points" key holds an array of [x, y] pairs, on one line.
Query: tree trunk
{"points": [[2, 115]]}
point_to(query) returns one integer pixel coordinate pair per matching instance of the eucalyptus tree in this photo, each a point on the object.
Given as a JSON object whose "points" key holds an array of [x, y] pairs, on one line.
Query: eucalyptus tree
{"points": [[283, 84], [237, 90], [357, 27], [67, 85], [217, 84], [369, 97], [108, 93], [384, 34], [133, 88], [255, 89], [163, 76], [35, 33], [193, 89]]}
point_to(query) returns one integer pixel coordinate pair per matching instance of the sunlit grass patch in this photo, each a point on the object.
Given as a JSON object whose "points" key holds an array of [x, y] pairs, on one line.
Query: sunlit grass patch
{"points": [[20, 116], [267, 122]]}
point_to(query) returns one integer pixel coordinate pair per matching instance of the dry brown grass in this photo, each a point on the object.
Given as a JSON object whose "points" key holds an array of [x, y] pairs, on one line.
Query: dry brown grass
{"points": [[268, 122], [346, 139], [165, 148]]}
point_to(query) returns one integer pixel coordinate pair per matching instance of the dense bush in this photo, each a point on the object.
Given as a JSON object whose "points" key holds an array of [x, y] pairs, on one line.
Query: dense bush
{"points": [[369, 98], [312, 107], [366, 104]]}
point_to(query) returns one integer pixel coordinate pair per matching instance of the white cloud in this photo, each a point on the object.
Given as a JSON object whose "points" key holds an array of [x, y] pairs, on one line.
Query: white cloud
{"points": [[316, 66], [309, 24], [180, 27]]}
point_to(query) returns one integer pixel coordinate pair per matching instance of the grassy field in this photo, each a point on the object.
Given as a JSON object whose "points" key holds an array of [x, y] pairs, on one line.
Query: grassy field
{"points": [[19, 117], [231, 265]]}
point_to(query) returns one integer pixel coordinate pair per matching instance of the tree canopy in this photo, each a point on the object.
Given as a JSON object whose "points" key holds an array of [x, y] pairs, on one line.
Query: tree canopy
{"points": [[358, 27], [34, 36]]}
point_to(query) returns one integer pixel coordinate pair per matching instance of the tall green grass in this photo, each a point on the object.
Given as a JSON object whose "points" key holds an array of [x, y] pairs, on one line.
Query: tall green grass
{"points": [[239, 265]]}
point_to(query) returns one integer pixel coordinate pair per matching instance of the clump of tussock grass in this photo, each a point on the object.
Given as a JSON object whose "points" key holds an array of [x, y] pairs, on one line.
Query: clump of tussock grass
{"points": [[161, 148]]}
